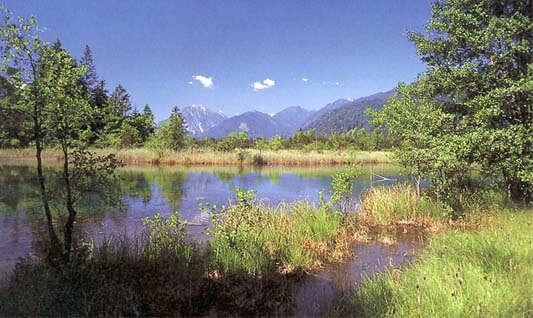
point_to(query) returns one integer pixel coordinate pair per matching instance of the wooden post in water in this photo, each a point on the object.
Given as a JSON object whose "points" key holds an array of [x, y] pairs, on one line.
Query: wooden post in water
{"points": [[371, 176]]}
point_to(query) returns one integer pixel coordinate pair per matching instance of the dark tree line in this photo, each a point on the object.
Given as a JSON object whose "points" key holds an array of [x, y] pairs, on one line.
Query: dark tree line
{"points": [[114, 121]]}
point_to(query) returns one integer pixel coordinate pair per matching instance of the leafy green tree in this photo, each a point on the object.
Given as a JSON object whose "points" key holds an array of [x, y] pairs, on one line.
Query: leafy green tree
{"points": [[137, 128], [65, 114], [21, 50], [261, 143], [276, 142], [15, 128], [342, 187], [243, 138], [473, 103], [47, 83]]}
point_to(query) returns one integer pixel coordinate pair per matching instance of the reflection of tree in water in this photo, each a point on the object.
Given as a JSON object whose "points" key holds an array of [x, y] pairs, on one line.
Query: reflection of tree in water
{"points": [[135, 184], [20, 201], [20, 194], [227, 175], [170, 183], [19, 191]]}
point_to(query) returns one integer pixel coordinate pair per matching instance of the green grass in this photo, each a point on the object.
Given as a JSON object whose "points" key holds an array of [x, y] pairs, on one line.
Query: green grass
{"points": [[488, 273], [210, 157], [399, 204], [294, 238]]}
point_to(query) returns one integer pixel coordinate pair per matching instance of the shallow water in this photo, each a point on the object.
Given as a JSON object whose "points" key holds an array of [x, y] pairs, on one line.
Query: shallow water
{"points": [[144, 191], [319, 290]]}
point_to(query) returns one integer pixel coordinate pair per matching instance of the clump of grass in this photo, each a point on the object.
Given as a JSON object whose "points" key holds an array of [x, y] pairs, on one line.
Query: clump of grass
{"points": [[400, 204], [462, 274], [295, 238]]}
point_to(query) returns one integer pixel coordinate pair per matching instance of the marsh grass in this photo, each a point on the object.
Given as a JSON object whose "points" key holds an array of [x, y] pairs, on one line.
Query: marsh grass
{"points": [[487, 273], [291, 239], [400, 204], [210, 157]]}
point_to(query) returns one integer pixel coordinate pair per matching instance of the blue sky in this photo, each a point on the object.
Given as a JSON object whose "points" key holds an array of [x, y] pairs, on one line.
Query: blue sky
{"points": [[214, 52]]}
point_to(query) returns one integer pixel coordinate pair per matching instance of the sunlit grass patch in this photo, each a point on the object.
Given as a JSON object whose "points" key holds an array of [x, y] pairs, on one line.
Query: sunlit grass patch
{"points": [[400, 204]]}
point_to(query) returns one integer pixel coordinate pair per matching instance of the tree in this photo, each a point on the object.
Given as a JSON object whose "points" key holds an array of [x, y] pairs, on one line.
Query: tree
{"points": [[172, 132], [276, 142], [99, 102], [119, 102], [118, 110], [21, 50], [90, 79], [147, 127], [473, 103], [261, 143], [15, 129], [47, 84]]}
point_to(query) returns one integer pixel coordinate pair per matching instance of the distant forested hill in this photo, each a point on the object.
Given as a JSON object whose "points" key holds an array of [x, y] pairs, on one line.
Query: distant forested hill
{"points": [[348, 115]]}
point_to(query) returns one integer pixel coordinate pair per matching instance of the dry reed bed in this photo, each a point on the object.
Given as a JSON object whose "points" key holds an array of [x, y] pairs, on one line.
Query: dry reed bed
{"points": [[208, 157]]}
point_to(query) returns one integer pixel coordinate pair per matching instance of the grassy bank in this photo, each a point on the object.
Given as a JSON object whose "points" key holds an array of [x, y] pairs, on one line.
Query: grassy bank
{"points": [[210, 157], [485, 273], [248, 268]]}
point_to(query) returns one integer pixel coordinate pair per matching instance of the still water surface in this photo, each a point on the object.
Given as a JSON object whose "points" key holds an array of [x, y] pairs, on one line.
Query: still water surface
{"points": [[144, 191]]}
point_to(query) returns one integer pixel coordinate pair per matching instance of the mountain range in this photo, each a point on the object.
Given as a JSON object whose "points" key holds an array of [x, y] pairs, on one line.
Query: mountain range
{"points": [[347, 114], [338, 116], [200, 119]]}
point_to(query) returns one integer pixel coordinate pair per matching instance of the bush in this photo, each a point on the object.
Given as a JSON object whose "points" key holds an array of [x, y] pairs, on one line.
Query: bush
{"points": [[258, 160]]}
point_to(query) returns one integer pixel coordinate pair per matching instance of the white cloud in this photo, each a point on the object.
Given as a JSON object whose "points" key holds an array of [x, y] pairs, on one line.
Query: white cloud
{"points": [[264, 84], [206, 81], [305, 79], [190, 83]]}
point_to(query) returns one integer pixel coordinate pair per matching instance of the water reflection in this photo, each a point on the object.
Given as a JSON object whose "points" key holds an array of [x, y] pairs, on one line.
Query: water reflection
{"points": [[143, 191]]}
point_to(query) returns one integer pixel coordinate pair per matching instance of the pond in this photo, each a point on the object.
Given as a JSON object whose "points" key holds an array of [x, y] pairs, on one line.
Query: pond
{"points": [[143, 191]]}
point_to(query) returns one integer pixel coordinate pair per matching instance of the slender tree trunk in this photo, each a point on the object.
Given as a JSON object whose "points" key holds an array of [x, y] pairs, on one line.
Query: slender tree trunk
{"points": [[55, 246], [371, 176], [69, 225]]}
